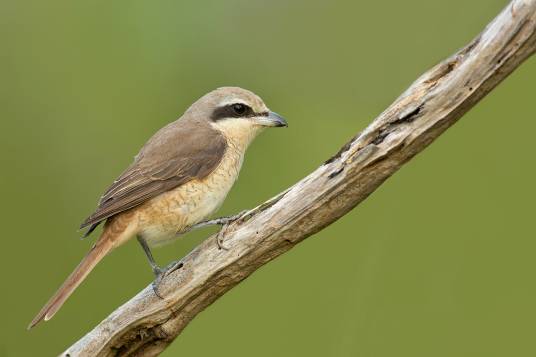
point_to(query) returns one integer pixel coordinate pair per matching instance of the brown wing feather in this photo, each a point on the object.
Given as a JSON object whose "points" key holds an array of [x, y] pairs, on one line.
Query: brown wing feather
{"points": [[176, 154]]}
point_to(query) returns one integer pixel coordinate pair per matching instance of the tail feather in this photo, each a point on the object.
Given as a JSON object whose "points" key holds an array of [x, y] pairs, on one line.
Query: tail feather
{"points": [[97, 252]]}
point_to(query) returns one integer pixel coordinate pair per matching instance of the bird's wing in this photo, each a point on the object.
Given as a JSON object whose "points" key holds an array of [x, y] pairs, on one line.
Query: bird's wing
{"points": [[176, 154]]}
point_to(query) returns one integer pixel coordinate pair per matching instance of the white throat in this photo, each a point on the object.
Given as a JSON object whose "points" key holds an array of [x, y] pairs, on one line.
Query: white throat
{"points": [[238, 132]]}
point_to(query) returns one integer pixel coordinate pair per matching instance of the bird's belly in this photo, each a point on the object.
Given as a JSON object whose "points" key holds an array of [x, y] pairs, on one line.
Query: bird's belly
{"points": [[164, 217]]}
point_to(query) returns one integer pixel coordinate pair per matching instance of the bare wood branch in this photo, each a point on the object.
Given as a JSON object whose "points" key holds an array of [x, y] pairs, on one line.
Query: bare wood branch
{"points": [[145, 325]]}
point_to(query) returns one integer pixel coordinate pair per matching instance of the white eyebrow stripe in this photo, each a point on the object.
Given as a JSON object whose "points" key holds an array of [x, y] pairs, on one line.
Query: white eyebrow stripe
{"points": [[230, 101]]}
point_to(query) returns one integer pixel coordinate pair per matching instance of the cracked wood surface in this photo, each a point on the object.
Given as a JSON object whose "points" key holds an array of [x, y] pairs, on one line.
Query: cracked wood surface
{"points": [[146, 325]]}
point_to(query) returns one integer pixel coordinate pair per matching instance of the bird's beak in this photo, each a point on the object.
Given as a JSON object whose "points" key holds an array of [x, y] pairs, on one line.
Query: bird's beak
{"points": [[272, 120]]}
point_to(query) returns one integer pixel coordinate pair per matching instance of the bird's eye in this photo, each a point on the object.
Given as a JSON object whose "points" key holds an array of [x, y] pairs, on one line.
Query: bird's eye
{"points": [[239, 109]]}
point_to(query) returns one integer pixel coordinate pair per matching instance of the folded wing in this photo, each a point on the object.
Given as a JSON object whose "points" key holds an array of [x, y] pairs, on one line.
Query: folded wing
{"points": [[176, 154]]}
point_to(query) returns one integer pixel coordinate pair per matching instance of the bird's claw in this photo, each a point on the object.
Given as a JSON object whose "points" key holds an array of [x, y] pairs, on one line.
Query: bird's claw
{"points": [[225, 222], [219, 237], [160, 274]]}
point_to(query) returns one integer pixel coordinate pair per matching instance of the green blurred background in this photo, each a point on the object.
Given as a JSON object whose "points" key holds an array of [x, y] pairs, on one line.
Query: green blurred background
{"points": [[439, 261]]}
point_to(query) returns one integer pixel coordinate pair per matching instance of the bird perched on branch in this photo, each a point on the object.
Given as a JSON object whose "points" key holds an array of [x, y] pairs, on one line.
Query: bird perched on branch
{"points": [[180, 177]]}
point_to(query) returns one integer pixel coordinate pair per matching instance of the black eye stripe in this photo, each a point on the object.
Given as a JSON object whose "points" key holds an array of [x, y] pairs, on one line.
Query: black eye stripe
{"points": [[228, 111], [239, 109]]}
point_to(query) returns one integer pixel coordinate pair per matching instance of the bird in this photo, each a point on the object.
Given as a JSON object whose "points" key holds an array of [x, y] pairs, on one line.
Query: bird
{"points": [[179, 179]]}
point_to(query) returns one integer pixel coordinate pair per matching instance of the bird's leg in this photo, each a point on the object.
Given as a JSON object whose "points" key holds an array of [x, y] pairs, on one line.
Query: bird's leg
{"points": [[161, 273], [217, 221], [156, 269], [158, 272], [222, 221]]}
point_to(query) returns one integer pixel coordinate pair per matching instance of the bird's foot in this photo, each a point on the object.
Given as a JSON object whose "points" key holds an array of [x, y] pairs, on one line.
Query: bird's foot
{"points": [[160, 274], [219, 237], [225, 222]]}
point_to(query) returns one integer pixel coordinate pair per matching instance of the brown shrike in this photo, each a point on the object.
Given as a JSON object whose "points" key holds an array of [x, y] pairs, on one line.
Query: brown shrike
{"points": [[180, 177]]}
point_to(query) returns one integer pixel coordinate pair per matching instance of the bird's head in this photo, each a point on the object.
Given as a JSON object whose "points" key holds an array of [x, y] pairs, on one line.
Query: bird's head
{"points": [[237, 113]]}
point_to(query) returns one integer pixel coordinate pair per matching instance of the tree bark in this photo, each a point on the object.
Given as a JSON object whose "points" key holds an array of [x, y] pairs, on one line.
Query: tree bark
{"points": [[146, 325]]}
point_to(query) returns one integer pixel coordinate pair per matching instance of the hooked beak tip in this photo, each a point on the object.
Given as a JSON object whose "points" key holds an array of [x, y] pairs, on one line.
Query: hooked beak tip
{"points": [[277, 120]]}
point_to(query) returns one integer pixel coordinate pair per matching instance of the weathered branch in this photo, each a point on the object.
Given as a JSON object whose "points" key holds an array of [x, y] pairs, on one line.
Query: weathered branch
{"points": [[146, 324]]}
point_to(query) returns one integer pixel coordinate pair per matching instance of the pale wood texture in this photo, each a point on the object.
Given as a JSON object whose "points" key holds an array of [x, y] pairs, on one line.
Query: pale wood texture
{"points": [[145, 325]]}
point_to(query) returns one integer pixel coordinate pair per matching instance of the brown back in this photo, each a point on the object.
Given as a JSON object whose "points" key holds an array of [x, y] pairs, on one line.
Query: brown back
{"points": [[184, 150]]}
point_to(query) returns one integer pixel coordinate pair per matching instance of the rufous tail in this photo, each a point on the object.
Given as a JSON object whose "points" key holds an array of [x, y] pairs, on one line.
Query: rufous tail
{"points": [[97, 252]]}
